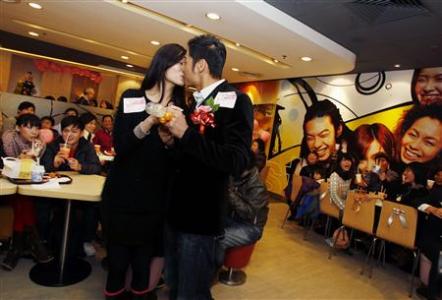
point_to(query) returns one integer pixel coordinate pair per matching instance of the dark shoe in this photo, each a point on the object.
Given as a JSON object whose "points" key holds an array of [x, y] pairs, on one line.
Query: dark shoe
{"points": [[37, 249], [11, 259]]}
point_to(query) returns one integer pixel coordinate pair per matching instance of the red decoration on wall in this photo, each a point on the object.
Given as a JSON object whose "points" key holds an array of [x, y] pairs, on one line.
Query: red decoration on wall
{"points": [[45, 66]]}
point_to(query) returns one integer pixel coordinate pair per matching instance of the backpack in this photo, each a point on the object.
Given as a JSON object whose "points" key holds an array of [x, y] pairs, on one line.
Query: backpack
{"points": [[248, 198]]}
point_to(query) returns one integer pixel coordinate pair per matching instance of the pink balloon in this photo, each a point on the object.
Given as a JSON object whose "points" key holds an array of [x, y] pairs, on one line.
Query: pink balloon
{"points": [[46, 135]]}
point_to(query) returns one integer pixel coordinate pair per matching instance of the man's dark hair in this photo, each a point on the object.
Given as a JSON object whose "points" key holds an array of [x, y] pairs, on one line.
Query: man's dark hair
{"points": [[87, 118], [210, 49], [26, 105], [50, 97], [321, 109], [30, 120], [72, 120], [51, 119], [62, 99], [107, 116], [70, 109]]}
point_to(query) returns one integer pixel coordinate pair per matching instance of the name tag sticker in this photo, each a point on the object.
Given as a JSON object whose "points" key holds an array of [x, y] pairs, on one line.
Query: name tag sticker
{"points": [[226, 99], [133, 105]]}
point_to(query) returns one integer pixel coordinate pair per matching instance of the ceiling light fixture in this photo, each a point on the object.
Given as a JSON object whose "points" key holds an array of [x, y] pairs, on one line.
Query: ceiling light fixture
{"points": [[124, 1], [156, 43], [213, 16], [124, 57], [129, 66], [276, 61], [35, 5], [397, 65], [235, 69], [238, 45], [33, 33], [306, 58]]}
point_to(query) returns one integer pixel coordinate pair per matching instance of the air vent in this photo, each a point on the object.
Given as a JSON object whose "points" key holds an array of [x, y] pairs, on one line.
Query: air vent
{"points": [[385, 11]]}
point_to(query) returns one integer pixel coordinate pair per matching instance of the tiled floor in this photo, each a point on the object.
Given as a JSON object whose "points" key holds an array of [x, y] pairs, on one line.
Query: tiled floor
{"points": [[283, 266]]}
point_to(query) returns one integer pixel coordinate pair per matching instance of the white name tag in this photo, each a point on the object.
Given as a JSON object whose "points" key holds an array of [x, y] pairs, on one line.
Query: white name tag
{"points": [[133, 105], [226, 99]]}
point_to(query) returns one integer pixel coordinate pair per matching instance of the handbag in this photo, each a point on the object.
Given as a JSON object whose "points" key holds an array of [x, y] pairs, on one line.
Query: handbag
{"points": [[340, 238]]}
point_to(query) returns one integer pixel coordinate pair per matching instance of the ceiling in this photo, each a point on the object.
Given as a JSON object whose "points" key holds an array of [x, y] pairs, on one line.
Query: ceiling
{"points": [[111, 29], [381, 33]]}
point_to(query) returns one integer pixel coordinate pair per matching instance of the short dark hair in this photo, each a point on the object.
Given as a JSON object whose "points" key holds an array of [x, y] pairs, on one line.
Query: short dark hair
{"points": [[70, 109], [433, 111], [419, 171], [62, 99], [383, 155], [107, 116], [72, 120], [25, 105], [49, 97], [212, 50], [87, 117], [321, 109], [28, 120], [261, 144], [49, 118]]}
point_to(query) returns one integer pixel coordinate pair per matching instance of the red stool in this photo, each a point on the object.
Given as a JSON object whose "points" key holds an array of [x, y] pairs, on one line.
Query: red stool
{"points": [[236, 259]]}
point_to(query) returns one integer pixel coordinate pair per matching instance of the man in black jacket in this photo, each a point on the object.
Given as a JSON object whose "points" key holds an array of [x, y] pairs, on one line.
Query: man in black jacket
{"points": [[210, 149]]}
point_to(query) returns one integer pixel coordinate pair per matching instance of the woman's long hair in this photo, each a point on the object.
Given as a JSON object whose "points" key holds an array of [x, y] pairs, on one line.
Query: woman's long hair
{"points": [[366, 134], [166, 57]]}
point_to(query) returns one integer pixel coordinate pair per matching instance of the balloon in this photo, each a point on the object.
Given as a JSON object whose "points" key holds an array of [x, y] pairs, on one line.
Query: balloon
{"points": [[46, 135]]}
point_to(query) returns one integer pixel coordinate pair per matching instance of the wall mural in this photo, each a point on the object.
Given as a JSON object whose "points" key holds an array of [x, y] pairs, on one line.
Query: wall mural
{"points": [[397, 113]]}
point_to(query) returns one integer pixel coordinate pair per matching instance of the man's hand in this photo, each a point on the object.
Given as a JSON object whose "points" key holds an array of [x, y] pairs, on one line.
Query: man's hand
{"points": [[166, 136], [58, 160], [435, 211], [178, 125]]}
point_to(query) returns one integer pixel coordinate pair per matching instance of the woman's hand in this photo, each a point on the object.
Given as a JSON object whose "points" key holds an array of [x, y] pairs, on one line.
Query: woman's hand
{"points": [[74, 164], [166, 136], [147, 124]]}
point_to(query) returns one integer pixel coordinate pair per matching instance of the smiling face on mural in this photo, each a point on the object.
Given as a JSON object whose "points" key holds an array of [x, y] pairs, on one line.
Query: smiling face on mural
{"points": [[320, 136], [422, 142], [428, 87]]}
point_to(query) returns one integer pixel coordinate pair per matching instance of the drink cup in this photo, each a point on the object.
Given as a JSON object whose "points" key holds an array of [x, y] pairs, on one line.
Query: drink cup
{"points": [[65, 150]]}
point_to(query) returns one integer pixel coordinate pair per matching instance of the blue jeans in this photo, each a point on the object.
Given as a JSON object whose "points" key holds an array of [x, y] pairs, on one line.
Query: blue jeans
{"points": [[237, 233], [190, 265]]}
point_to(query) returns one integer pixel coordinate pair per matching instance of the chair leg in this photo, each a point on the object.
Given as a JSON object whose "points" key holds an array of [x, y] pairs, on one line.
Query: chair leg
{"points": [[369, 256], [286, 217], [415, 261], [327, 228], [381, 253]]}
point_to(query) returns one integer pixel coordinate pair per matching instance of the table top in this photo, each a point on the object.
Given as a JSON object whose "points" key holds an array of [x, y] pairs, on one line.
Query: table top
{"points": [[6, 187], [82, 188]]}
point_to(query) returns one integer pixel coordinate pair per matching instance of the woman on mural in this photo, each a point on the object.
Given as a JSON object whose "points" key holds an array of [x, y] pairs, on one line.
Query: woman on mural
{"points": [[426, 86], [419, 135], [371, 139]]}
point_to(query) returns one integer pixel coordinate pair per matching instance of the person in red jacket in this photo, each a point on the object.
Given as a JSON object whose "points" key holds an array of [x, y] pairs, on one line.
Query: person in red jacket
{"points": [[103, 136]]}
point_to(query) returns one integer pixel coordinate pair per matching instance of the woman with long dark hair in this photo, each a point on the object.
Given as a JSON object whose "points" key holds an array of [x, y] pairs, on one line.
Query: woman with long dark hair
{"points": [[134, 196]]}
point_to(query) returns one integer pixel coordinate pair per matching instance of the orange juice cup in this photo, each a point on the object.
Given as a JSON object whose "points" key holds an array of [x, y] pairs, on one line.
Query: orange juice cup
{"points": [[65, 150]]}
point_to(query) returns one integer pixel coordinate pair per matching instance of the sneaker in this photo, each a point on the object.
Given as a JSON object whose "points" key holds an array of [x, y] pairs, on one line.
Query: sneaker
{"points": [[11, 260], [89, 249]]}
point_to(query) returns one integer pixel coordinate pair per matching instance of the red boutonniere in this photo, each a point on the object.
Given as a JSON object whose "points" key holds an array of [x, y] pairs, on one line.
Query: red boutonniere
{"points": [[204, 115]]}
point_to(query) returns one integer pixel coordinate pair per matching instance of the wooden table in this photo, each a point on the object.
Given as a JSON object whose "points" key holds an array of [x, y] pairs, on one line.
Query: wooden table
{"points": [[65, 272], [6, 187]]}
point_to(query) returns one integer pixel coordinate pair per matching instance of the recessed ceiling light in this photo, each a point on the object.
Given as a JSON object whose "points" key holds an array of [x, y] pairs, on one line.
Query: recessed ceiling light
{"points": [[213, 16], [33, 33], [129, 66], [306, 58], [276, 61], [124, 1], [35, 5], [156, 43], [397, 65], [235, 69], [238, 45], [124, 57]]}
